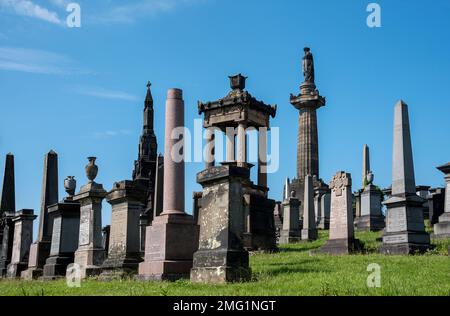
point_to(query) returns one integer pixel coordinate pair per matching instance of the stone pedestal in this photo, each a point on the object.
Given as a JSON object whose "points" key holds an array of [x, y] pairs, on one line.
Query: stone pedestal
{"points": [[309, 231], [291, 223], [221, 257], [90, 253], [405, 229], [342, 240], [442, 229], [371, 218], [124, 249], [23, 237], [66, 228]]}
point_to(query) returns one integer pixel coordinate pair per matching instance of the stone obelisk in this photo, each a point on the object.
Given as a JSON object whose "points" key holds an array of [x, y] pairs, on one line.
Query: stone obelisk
{"points": [[366, 165], [307, 102], [40, 250], [309, 231], [7, 213], [173, 237], [405, 229]]}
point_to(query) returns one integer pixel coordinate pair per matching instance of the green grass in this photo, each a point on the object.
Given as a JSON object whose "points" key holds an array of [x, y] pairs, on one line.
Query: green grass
{"points": [[292, 271]]}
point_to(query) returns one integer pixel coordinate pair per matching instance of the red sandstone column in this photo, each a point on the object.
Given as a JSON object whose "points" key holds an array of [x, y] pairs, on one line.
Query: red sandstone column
{"points": [[174, 159]]}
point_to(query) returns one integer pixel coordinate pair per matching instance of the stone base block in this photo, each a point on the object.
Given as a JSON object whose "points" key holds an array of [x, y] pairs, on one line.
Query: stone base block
{"points": [[405, 243], [324, 224], [404, 249], [289, 237], [15, 269], [32, 274], [89, 261], [220, 275], [56, 267], [309, 234], [340, 247], [164, 270], [370, 223], [442, 230], [120, 268]]}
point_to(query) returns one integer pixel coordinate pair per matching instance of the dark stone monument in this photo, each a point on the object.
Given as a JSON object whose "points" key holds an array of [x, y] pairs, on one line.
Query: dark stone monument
{"points": [[309, 231], [106, 232], [442, 229], [7, 213], [23, 237], [278, 214], [423, 191], [405, 228], [40, 250], [436, 202], [65, 236], [290, 232], [221, 256]]}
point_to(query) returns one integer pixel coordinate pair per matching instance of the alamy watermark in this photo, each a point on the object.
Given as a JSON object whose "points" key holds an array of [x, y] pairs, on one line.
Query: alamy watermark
{"points": [[74, 17], [374, 18], [374, 278], [73, 275]]}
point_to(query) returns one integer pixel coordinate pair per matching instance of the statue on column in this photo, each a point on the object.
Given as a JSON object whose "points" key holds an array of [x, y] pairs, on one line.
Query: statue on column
{"points": [[308, 66]]}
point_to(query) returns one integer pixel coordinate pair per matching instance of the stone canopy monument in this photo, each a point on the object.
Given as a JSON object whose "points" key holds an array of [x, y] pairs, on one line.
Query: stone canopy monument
{"points": [[405, 229], [442, 229]]}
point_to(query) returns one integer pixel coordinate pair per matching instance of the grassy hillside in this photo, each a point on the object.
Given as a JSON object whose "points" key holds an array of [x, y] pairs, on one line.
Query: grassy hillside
{"points": [[293, 271]]}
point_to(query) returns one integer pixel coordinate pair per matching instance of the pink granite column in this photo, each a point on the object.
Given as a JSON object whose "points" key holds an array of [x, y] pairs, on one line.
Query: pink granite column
{"points": [[173, 163]]}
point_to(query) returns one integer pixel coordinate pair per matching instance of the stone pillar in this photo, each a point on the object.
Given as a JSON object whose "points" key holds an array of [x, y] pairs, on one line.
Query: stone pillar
{"points": [[262, 158], [436, 201], [90, 253], [442, 229], [371, 218], [23, 237], [342, 240], [40, 250], [221, 257], [405, 229], [325, 206], [210, 148], [309, 231], [106, 232], [173, 237], [290, 232], [230, 144], [242, 144], [124, 255], [366, 165], [320, 205], [7, 212]]}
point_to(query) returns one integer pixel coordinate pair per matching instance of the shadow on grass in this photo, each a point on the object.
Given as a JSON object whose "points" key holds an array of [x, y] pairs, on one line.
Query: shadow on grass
{"points": [[298, 266]]}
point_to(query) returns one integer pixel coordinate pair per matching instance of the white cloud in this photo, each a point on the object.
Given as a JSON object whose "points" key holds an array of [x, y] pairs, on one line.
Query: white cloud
{"points": [[107, 94], [30, 9], [37, 61]]}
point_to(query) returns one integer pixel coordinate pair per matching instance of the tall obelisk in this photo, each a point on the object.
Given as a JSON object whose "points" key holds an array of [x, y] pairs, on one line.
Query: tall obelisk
{"points": [[307, 102]]}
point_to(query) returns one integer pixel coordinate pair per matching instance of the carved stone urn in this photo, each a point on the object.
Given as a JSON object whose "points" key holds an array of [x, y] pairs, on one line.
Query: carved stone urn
{"points": [[70, 184], [91, 169]]}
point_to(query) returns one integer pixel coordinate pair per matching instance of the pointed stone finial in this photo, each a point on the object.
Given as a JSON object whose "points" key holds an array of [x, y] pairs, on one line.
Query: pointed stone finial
{"points": [[403, 178], [8, 198], [149, 97]]}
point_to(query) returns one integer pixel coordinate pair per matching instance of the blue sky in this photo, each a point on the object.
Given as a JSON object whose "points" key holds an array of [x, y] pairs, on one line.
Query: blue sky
{"points": [[80, 91]]}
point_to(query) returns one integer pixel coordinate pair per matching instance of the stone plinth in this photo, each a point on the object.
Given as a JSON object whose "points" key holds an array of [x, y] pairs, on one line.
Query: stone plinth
{"points": [[405, 228], [342, 240], [309, 231], [290, 232], [221, 257], [442, 229], [66, 229], [124, 249], [371, 218], [23, 237], [90, 253]]}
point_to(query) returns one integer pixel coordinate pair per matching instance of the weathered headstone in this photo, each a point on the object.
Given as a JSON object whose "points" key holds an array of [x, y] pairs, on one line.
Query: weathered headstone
{"points": [[40, 250], [7, 213], [436, 204], [23, 237], [221, 257], [309, 231], [371, 217], [173, 237], [66, 229], [342, 239], [442, 229], [405, 229], [290, 232], [90, 253], [124, 251]]}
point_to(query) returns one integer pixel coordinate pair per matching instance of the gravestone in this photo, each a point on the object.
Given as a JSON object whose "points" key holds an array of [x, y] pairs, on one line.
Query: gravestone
{"points": [[325, 207], [173, 237], [436, 203], [221, 256], [309, 231], [40, 250], [342, 240], [405, 228], [124, 241], [290, 232], [7, 213], [371, 217], [442, 229], [65, 236], [23, 237], [90, 253], [278, 215]]}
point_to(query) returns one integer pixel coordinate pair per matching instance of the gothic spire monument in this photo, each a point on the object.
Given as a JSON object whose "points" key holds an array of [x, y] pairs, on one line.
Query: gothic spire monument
{"points": [[307, 103]]}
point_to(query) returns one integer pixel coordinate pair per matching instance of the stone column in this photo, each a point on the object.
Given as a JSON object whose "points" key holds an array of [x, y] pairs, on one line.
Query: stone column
{"points": [[341, 240], [40, 250], [23, 237], [262, 158], [221, 257], [210, 148], [90, 253], [442, 229], [7, 213], [290, 232], [173, 237], [309, 231], [242, 144], [230, 144], [124, 249], [405, 229]]}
